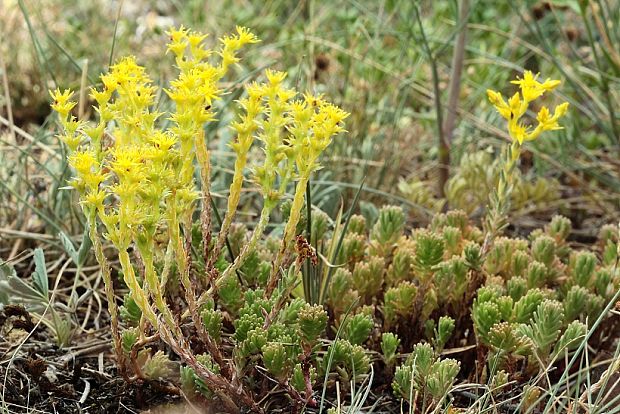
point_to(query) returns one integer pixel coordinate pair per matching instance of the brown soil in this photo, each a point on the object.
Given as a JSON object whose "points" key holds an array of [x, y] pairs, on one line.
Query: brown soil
{"points": [[39, 377]]}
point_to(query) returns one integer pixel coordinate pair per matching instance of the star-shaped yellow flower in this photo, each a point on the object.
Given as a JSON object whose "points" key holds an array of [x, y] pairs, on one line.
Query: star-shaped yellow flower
{"points": [[513, 110]]}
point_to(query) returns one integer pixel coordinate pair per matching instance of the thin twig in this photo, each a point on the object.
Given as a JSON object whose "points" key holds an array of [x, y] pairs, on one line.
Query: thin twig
{"points": [[458, 58], [443, 147], [83, 89]]}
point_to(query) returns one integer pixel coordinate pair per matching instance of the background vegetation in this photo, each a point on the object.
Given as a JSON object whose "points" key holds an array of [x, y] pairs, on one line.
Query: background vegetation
{"points": [[413, 75]]}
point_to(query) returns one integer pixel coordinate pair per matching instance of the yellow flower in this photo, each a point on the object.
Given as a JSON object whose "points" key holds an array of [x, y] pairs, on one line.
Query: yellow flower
{"points": [[125, 189], [176, 35], [62, 103], [102, 97], [274, 77], [498, 101], [127, 164], [334, 114], [95, 199], [61, 97], [254, 90], [195, 39], [177, 48], [550, 84], [231, 44], [517, 106], [519, 132], [560, 110], [71, 140], [300, 111], [109, 82], [92, 180], [548, 122], [163, 141], [545, 119], [531, 89], [245, 36], [83, 161]]}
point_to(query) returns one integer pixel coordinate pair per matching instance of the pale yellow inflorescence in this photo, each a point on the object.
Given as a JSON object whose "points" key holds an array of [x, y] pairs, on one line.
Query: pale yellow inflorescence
{"points": [[514, 109], [137, 177]]}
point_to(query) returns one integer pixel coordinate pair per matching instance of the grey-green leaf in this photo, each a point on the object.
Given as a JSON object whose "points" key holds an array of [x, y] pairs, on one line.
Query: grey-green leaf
{"points": [[39, 277], [67, 244], [84, 249]]}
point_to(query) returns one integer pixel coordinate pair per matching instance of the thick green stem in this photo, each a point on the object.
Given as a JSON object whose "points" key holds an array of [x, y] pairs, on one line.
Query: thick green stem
{"points": [[137, 293], [182, 262], [233, 202], [289, 231], [154, 286], [168, 258], [499, 201], [202, 155]]}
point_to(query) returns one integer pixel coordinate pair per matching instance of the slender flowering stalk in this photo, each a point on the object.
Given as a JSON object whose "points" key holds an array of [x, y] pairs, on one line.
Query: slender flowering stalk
{"points": [[294, 133], [193, 94], [138, 294], [513, 111], [85, 163], [315, 123], [109, 291], [245, 129], [272, 99]]}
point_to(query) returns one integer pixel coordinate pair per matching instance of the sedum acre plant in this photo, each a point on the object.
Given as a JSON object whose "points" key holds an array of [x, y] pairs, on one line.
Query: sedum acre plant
{"points": [[326, 302], [519, 132], [134, 173], [479, 178]]}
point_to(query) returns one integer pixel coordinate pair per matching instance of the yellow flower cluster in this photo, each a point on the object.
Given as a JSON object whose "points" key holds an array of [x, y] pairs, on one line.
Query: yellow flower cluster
{"points": [[194, 91], [62, 104], [310, 124], [294, 133], [135, 168], [136, 176], [513, 111], [517, 105]]}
